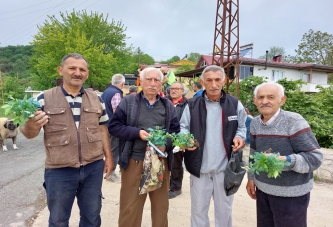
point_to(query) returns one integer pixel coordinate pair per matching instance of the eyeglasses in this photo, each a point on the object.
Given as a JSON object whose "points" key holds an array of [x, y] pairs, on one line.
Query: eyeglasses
{"points": [[175, 89]]}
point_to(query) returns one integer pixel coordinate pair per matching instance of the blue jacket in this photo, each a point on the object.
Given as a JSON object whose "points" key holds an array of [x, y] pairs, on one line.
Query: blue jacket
{"points": [[124, 121], [107, 96], [198, 93], [247, 124]]}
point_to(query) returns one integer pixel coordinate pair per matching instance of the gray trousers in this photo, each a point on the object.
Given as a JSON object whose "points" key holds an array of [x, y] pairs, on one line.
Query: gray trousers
{"points": [[115, 150], [202, 189]]}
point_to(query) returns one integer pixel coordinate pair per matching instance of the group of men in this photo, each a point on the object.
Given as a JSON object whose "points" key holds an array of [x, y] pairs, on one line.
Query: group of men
{"points": [[78, 126]]}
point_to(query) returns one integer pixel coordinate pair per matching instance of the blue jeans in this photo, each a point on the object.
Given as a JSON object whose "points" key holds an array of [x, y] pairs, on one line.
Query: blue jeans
{"points": [[63, 184]]}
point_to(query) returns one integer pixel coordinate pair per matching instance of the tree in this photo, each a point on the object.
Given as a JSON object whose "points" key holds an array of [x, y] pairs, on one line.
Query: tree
{"points": [[193, 56], [101, 42], [315, 47], [273, 51], [173, 59]]}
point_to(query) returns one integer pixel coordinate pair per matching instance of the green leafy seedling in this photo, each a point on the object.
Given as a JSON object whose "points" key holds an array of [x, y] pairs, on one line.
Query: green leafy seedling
{"points": [[158, 136], [182, 140], [269, 164], [21, 109]]}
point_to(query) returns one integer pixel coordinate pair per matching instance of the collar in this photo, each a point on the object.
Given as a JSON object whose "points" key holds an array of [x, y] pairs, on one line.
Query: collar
{"points": [[177, 102], [158, 97], [66, 93], [271, 120], [206, 98]]}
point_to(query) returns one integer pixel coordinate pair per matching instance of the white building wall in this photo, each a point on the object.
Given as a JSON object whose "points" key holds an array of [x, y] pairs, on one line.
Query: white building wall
{"points": [[318, 78]]}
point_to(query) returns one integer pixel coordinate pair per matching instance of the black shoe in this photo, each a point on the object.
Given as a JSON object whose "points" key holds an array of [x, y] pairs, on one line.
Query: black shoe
{"points": [[173, 194]]}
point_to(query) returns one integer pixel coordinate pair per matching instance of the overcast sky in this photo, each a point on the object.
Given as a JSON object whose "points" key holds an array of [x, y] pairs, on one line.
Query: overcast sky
{"points": [[165, 28]]}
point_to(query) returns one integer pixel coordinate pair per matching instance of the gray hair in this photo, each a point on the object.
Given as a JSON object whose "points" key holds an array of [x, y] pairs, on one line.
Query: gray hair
{"points": [[72, 55], [177, 82], [118, 79], [214, 68], [278, 86], [150, 69], [133, 88]]}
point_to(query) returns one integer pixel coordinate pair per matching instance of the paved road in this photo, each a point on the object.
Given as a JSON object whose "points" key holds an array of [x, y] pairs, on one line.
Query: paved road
{"points": [[21, 178]]}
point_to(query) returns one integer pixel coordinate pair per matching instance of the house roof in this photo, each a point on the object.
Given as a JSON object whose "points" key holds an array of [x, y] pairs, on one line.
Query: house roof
{"points": [[252, 61], [183, 62], [159, 65]]}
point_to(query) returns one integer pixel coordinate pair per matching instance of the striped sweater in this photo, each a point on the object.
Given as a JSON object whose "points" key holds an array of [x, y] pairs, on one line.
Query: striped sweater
{"points": [[291, 135]]}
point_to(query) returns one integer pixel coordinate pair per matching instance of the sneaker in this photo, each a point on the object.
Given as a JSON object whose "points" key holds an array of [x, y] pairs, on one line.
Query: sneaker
{"points": [[173, 194], [114, 178]]}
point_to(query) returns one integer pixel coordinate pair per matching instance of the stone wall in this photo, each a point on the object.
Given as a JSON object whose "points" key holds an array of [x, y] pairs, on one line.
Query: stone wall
{"points": [[325, 171]]}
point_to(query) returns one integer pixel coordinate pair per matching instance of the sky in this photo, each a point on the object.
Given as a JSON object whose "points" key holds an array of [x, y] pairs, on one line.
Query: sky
{"points": [[165, 28]]}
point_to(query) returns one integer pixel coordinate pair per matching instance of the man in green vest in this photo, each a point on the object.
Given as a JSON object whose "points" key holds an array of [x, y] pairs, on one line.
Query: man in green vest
{"points": [[169, 77]]}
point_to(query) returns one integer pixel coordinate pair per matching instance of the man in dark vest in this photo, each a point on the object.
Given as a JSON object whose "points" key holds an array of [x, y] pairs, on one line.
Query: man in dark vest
{"points": [[76, 141], [112, 96], [217, 121], [177, 172]]}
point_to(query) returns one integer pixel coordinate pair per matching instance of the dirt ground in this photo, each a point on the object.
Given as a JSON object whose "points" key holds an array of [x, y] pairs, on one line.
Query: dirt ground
{"points": [[320, 212]]}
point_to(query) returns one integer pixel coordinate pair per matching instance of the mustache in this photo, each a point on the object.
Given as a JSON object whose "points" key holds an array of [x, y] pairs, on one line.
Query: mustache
{"points": [[77, 77], [265, 105]]}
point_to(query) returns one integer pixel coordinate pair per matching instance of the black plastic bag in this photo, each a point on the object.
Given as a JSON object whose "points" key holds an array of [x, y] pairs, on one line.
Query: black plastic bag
{"points": [[234, 173]]}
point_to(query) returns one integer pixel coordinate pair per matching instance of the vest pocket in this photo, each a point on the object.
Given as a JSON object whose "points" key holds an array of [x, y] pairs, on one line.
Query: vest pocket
{"points": [[54, 146], [95, 145]]}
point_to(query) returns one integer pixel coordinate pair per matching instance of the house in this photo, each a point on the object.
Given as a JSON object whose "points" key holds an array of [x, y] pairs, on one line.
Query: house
{"points": [[175, 65], [274, 70]]}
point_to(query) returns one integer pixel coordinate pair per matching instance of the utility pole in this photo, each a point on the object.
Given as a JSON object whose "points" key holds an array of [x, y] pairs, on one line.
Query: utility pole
{"points": [[1, 85], [139, 57], [226, 41]]}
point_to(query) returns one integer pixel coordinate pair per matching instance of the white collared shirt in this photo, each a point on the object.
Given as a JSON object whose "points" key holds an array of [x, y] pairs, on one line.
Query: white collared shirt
{"points": [[271, 120]]}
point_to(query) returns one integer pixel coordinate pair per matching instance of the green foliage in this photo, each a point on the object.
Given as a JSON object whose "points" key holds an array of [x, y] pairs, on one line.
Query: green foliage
{"points": [[273, 51], [21, 109], [315, 47], [246, 91], [173, 59], [101, 42], [270, 164], [184, 68], [182, 140], [194, 56], [158, 136]]}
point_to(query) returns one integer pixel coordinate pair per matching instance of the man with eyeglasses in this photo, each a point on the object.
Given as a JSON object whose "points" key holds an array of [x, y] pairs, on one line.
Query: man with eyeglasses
{"points": [[177, 171]]}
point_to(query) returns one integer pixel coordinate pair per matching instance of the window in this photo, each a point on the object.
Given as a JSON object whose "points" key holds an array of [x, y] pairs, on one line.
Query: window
{"points": [[277, 75], [245, 71], [203, 63], [305, 77]]}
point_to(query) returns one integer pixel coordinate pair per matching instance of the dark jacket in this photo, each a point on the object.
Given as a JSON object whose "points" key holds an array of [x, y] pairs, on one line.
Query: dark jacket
{"points": [[198, 112], [107, 97], [124, 121], [180, 107]]}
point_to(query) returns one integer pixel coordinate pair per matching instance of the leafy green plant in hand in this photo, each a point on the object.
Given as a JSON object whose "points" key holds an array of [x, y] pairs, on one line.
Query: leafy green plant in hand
{"points": [[270, 164], [21, 109], [158, 136], [182, 140]]}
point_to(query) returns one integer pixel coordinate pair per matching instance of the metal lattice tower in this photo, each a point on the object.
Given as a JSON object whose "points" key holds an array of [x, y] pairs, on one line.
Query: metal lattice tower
{"points": [[226, 40]]}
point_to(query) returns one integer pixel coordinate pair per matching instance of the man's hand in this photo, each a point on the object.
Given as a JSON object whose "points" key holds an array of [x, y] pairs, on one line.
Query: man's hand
{"points": [[108, 166], [144, 135], [251, 189], [238, 143], [33, 125]]}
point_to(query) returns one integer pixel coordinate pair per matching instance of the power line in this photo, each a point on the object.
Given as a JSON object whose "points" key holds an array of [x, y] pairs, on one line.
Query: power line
{"points": [[26, 13], [24, 8], [177, 16], [167, 15], [19, 33]]}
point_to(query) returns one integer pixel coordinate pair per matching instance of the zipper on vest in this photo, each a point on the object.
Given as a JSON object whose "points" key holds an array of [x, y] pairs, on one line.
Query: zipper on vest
{"points": [[79, 147]]}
